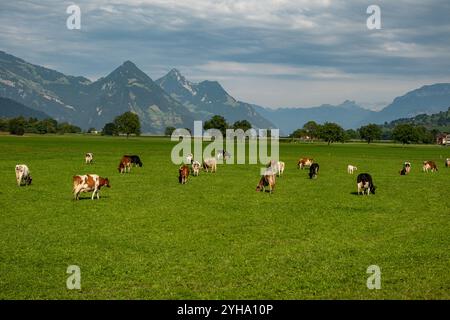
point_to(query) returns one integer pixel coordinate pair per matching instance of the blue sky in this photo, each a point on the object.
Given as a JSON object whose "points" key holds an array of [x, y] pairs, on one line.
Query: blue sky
{"points": [[274, 53]]}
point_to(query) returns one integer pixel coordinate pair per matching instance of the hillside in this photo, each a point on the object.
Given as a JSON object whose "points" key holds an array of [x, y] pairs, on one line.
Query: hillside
{"points": [[439, 121], [11, 109]]}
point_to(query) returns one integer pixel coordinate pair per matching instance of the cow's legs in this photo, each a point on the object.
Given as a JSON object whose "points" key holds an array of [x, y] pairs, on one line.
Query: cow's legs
{"points": [[93, 193]]}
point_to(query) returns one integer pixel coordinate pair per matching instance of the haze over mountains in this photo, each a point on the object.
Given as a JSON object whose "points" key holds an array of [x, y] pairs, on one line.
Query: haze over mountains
{"points": [[175, 101]]}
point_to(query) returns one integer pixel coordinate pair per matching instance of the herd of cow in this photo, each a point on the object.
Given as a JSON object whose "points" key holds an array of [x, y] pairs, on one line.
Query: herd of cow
{"points": [[93, 183], [267, 181]]}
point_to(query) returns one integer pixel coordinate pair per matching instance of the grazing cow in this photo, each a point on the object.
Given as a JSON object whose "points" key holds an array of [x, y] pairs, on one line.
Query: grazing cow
{"points": [[183, 174], [135, 160], [23, 176], [276, 166], [447, 162], [89, 158], [365, 184], [196, 168], [429, 166], [304, 162], [406, 169], [88, 183], [210, 164], [223, 154], [189, 158], [125, 165], [267, 180], [351, 168], [313, 171]]}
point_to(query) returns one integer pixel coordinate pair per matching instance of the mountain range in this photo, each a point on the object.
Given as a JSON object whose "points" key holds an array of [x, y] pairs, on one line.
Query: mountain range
{"points": [[175, 101]]}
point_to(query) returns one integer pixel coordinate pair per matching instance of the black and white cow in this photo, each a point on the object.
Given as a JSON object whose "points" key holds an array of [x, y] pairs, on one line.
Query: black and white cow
{"points": [[135, 160], [23, 176], [313, 170], [365, 184]]}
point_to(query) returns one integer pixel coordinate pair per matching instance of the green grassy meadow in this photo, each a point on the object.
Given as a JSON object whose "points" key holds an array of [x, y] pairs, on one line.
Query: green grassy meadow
{"points": [[148, 237]]}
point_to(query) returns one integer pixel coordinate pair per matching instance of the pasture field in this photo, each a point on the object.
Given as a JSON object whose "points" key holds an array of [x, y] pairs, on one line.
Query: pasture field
{"points": [[148, 237]]}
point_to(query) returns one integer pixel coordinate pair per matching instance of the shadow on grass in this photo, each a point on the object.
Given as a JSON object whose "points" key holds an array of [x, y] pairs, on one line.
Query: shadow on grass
{"points": [[89, 198]]}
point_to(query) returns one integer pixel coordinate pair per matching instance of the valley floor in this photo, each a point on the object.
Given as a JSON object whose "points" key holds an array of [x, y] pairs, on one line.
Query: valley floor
{"points": [[148, 237]]}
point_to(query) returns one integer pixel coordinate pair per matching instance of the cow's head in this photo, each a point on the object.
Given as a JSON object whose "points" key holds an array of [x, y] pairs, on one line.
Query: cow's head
{"points": [[372, 190]]}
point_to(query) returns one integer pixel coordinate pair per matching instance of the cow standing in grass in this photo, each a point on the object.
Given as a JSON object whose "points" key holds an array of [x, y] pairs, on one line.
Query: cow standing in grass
{"points": [[447, 162], [125, 164], [183, 174], [89, 158], [23, 176], [277, 167], [267, 181], [304, 162], [210, 164], [195, 168], [88, 183], [429, 166], [313, 171], [135, 160], [406, 169], [351, 169], [365, 184]]}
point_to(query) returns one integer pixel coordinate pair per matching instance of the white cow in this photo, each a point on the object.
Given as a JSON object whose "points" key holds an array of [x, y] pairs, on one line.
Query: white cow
{"points": [[23, 175], [351, 168], [277, 167], [89, 157], [196, 168], [210, 164], [189, 158]]}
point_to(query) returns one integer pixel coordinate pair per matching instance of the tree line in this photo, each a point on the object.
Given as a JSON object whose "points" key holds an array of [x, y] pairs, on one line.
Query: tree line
{"points": [[219, 123], [127, 123], [331, 132], [20, 126]]}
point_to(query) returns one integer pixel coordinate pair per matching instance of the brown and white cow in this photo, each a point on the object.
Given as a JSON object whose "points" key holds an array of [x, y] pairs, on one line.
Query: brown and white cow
{"points": [[267, 181], [447, 162], [23, 176], [210, 164], [304, 162], [429, 166], [125, 164], [88, 183], [183, 174], [276, 166]]}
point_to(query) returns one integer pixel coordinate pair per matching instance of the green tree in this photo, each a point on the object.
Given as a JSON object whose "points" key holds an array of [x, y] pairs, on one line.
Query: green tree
{"points": [[405, 133], [243, 124], [331, 132], [17, 126], [351, 134], [312, 129], [68, 128], [299, 133], [425, 136], [4, 126], [169, 131], [110, 129], [370, 132], [216, 122], [128, 123]]}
